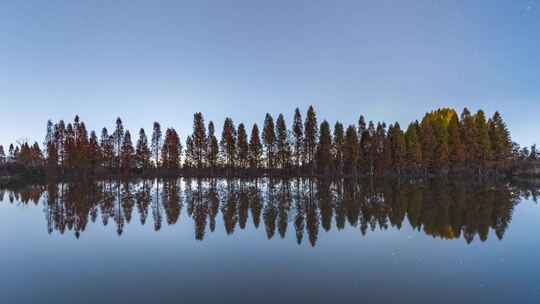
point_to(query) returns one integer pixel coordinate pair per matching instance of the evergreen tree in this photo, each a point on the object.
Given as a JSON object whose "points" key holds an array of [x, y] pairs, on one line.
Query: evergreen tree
{"points": [[441, 143], [51, 150], [59, 140], [49, 135], [283, 146], [457, 154], [362, 127], [500, 138], [298, 132], [228, 143], [469, 135], [189, 159], [69, 147], [2, 156], [533, 155], [127, 153], [81, 146], [118, 136], [385, 160], [94, 151], [171, 150], [255, 148], [200, 143], [269, 140], [414, 146], [213, 147], [350, 150], [368, 148], [310, 136], [143, 151], [484, 142], [12, 154], [339, 141], [156, 142], [324, 149], [242, 147], [382, 150], [37, 155], [428, 140], [364, 142], [52, 158], [398, 148], [107, 148]]}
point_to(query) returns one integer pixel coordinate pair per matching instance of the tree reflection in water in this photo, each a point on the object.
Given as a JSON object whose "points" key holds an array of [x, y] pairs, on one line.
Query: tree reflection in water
{"points": [[446, 210]]}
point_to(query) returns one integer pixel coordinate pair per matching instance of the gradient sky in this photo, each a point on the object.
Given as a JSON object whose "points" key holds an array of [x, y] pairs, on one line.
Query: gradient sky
{"points": [[165, 60]]}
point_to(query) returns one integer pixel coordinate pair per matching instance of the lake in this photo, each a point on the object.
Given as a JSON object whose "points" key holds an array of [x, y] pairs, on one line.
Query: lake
{"points": [[270, 241]]}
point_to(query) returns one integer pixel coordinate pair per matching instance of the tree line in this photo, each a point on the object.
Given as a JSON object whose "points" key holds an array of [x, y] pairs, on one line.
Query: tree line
{"points": [[441, 141]]}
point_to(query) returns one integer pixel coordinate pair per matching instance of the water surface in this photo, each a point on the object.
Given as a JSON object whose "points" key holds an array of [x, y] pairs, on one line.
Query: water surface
{"points": [[269, 241]]}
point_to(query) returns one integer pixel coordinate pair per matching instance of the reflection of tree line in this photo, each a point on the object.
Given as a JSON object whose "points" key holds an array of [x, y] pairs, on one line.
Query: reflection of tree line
{"points": [[444, 210]]}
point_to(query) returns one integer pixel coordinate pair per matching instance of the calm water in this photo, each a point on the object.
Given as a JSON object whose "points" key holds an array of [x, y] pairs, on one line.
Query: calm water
{"points": [[232, 241]]}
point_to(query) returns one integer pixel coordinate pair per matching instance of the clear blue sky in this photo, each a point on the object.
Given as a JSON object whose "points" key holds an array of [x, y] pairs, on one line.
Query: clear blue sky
{"points": [[165, 60]]}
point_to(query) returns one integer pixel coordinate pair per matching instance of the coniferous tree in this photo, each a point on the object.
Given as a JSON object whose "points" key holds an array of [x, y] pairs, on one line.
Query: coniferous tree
{"points": [[255, 148], [127, 153], [2, 155], [414, 146], [310, 136], [362, 127], [94, 151], [350, 150], [298, 132], [368, 148], [213, 147], [469, 135], [457, 154], [441, 143], [69, 146], [49, 135], [51, 148], [52, 158], [171, 150], [118, 137], [382, 150], [428, 140], [484, 143], [533, 154], [363, 141], [242, 147], [107, 148], [189, 159], [398, 147], [81, 146], [156, 142], [269, 140], [228, 143], [500, 138], [339, 141], [59, 139], [385, 161], [323, 155], [143, 153], [200, 143], [12, 154], [37, 155], [282, 145]]}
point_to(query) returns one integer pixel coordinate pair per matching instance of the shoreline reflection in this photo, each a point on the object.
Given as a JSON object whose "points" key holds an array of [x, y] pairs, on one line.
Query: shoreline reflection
{"points": [[305, 207]]}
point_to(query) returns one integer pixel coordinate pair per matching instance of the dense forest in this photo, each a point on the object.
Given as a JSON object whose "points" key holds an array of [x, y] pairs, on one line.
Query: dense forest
{"points": [[441, 142]]}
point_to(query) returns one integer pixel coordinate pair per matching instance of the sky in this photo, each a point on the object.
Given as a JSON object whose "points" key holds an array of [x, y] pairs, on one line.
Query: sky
{"points": [[165, 60]]}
